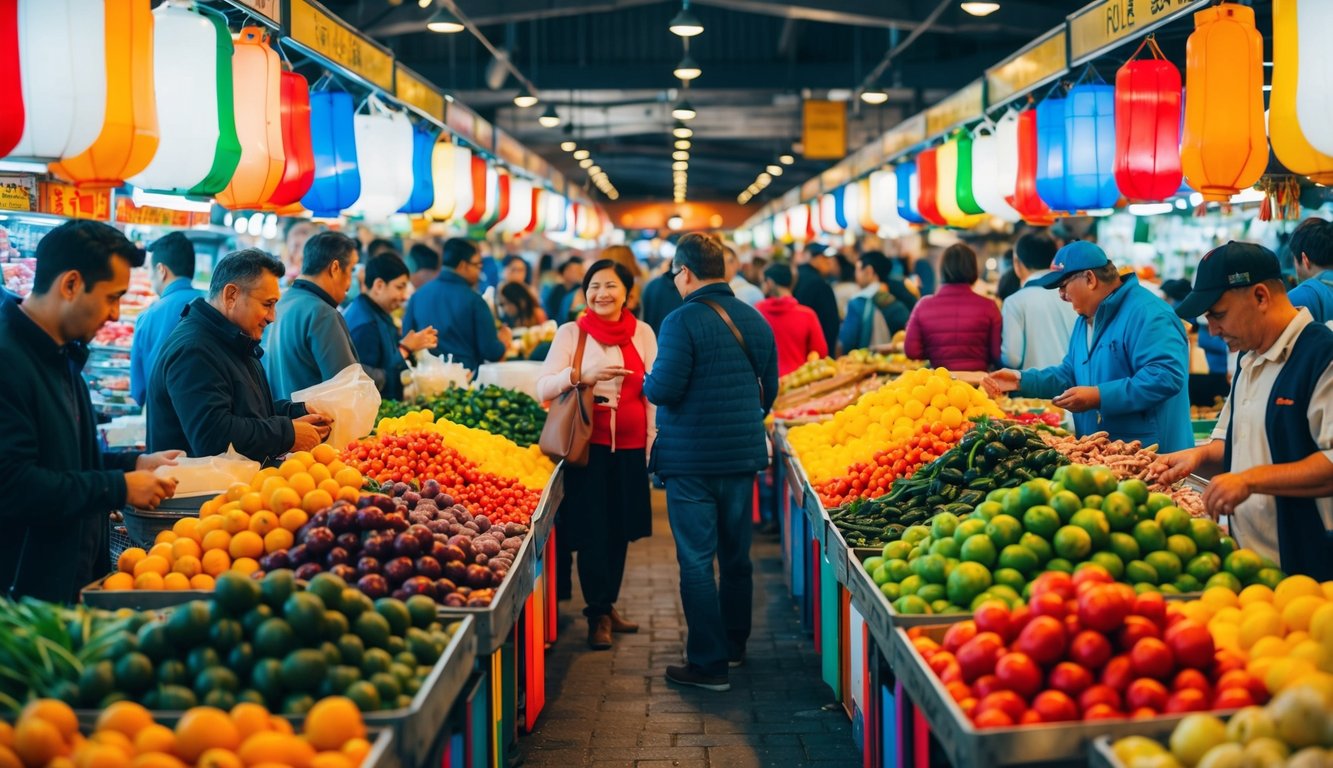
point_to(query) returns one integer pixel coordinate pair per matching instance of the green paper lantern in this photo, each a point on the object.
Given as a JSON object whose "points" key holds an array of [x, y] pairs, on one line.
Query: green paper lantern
{"points": [[967, 202], [228, 153]]}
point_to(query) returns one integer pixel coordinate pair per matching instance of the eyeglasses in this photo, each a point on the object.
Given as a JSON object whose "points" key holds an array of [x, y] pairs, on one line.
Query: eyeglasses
{"points": [[676, 269], [1063, 283]]}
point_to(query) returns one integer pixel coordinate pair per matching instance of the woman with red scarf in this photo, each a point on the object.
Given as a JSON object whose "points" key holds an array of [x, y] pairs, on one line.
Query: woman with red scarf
{"points": [[606, 503]]}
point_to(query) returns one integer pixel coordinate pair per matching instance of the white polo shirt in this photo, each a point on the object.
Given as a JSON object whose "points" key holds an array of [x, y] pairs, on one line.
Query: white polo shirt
{"points": [[1254, 524]]}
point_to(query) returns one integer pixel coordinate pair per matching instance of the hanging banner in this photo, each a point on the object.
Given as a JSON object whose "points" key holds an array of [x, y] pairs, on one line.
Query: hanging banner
{"points": [[1100, 26], [904, 136], [508, 149], [962, 107], [1036, 64], [66, 200], [129, 213], [18, 192], [329, 36], [824, 129], [415, 92], [269, 9]]}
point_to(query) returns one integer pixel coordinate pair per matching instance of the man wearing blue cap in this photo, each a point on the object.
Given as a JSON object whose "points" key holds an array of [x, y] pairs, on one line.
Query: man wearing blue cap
{"points": [[1274, 438], [1128, 361]]}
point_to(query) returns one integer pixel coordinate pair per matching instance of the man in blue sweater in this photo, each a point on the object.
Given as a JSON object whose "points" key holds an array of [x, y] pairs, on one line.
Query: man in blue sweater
{"points": [[1312, 248], [715, 377], [460, 316], [173, 270], [375, 334]]}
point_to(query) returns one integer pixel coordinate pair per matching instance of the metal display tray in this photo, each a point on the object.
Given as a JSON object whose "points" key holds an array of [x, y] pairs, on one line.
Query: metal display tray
{"points": [[966, 747], [1101, 756], [495, 622], [543, 518], [836, 552], [876, 609], [94, 596]]}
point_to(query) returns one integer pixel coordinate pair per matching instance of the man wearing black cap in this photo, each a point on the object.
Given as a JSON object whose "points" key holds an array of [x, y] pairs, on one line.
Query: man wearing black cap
{"points": [[1274, 438], [1127, 368]]}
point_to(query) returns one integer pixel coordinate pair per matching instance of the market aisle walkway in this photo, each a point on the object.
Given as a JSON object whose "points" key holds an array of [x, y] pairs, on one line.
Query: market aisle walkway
{"points": [[613, 709]]}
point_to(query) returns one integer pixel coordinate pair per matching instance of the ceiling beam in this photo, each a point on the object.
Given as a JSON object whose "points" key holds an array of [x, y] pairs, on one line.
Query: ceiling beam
{"points": [[887, 14], [407, 18]]}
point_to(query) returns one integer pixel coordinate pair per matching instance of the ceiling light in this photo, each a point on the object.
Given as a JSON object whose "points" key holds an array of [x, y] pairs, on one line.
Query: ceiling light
{"points": [[550, 118], [680, 165], [581, 154], [763, 178], [687, 69], [424, 3], [444, 22], [786, 159], [594, 169], [980, 9], [568, 146], [524, 99], [774, 170], [585, 162], [682, 144], [680, 154], [753, 189], [683, 111], [682, 131], [874, 96], [685, 24]]}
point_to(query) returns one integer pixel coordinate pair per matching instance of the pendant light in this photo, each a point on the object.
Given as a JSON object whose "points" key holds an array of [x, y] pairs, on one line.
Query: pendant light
{"points": [[909, 192], [298, 170], [1291, 143], [995, 166], [1089, 146], [681, 130], [422, 195], [927, 203], [874, 95], [62, 68], [525, 99], [11, 81], [687, 69], [1314, 86], [683, 111], [128, 139], [685, 24], [1147, 126], [550, 118], [444, 22], [337, 181], [442, 157], [384, 148], [257, 83], [1025, 199], [1051, 180], [1225, 148]]}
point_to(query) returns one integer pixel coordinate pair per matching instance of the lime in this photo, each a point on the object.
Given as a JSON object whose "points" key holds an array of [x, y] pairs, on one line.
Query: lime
{"points": [[1061, 476], [931, 568], [915, 533], [1111, 562], [1105, 480], [898, 570], [1243, 564], [967, 581], [187, 626], [1223, 579], [1034, 492], [1143, 587], [1203, 565], [940, 606], [1060, 564], [872, 563], [274, 639], [1066, 503], [133, 672], [1225, 546], [1072, 543], [1041, 547], [1173, 520], [1157, 501], [998, 495], [896, 550], [1094, 522], [1124, 546], [1019, 558], [988, 509], [985, 597], [1141, 512], [1079, 479], [1267, 562], [943, 525], [969, 528], [1094, 501], [911, 584], [1042, 520], [979, 549], [890, 591], [1139, 572], [372, 628], [1187, 583], [1182, 547], [1007, 594], [305, 613], [1010, 578], [1205, 533], [1135, 489], [1166, 563], [880, 576], [931, 592], [1004, 530], [1013, 503], [236, 592], [328, 588], [1119, 510], [911, 604], [1269, 577], [1168, 589], [946, 547], [1149, 535], [364, 695]]}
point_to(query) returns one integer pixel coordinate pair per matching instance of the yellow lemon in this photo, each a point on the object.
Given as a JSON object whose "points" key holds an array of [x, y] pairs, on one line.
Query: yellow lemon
{"points": [[1260, 625], [1321, 624], [1219, 597], [1255, 593], [1300, 610], [1265, 647], [1293, 587]]}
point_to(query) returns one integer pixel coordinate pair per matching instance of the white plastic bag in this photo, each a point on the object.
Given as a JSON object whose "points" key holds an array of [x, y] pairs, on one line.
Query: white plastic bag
{"points": [[209, 475], [350, 399], [432, 375]]}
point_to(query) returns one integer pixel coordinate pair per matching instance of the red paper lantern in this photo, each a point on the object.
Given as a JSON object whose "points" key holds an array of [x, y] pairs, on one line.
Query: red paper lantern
{"points": [[1147, 126], [536, 211], [11, 107], [478, 209], [1025, 199], [503, 181], [928, 201], [298, 170]]}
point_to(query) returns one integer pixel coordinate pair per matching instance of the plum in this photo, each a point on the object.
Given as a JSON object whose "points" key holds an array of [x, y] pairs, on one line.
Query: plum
{"points": [[463, 542], [463, 590], [319, 541], [365, 500], [444, 500], [430, 490], [395, 522], [479, 602], [308, 571], [368, 565], [398, 569], [380, 545], [373, 585], [438, 549], [341, 519], [419, 585], [444, 587], [320, 518], [275, 561], [298, 555], [455, 571], [450, 552], [400, 594], [429, 567], [407, 545], [370, 518], [478, 576], [455, 600], [343, 571], [423, 534], [386, 504], [350, 541]]}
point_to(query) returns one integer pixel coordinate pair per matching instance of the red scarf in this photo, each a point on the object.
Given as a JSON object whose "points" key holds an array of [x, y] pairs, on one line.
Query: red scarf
{"points": [[607, 333]]}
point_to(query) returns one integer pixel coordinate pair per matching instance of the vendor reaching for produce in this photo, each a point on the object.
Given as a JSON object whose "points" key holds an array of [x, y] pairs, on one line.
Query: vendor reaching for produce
{"points": [[208, 391], [57, 487], [1274, 438], [375, 334], [1128, 359]]}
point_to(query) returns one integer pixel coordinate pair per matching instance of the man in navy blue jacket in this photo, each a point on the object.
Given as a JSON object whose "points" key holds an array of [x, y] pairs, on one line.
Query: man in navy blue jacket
{"points": [[375, 334], [451, 305], [711, 390]]}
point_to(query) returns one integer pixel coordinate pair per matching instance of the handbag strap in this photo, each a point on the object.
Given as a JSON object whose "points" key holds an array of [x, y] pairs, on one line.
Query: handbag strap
{"points": [[726, 318], [578, 357]]}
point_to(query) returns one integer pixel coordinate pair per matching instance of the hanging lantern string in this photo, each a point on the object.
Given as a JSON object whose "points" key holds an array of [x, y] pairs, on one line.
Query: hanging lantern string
{"points": [[1096, 77], [1051, 93], [1151, 43]]}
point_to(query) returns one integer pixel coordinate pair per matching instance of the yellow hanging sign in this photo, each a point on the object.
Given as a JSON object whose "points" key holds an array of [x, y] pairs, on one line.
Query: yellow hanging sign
{"points": [[963, 106], [824, 129], [417, 93], [329, 36], [1037, 63], [1101, 25]]}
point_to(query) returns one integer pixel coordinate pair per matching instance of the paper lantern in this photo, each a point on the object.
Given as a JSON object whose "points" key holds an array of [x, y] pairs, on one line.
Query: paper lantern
{"points": [[909, 192], [840, 217], [995, 166], [946, 187], [1224, 149], [927, 204], [884, 204], [1147, 127], [298, 168], [1287, 132], [11, 83], [462, 180], [1051, 181], [867, 214], [442, 176], [1314, 85], [781, 227], [1089, 147], [423, 179], [384, 153], [519, 215], [798, 217], [538, 217], [337, 181], [479, 175], [825, 214], [62, 68], [557, 214], [851, 206], [1025, 199], [497, 203], [257, 80], [967, 200]]}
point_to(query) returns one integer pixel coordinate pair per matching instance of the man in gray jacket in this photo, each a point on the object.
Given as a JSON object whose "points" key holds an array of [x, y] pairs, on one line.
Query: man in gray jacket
{"points": [[309, 343]]}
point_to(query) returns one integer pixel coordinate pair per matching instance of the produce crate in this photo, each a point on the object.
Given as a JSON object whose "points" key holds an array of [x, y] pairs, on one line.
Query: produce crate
{"points": [[94, 596], [819, 520], [836, 551], [1057, 744], [143, 525], [543, 518], [875, 608], [494, 623]]}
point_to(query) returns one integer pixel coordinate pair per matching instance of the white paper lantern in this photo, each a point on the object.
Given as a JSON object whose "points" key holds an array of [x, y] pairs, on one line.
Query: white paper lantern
{"points": [[62, 66], [781, 227], [1314, 74], [520, 206], [995, 166], [799, 218], [828, 214], [884, 204], [384, 157], [851, 206], [461, 178], [762, 236]]}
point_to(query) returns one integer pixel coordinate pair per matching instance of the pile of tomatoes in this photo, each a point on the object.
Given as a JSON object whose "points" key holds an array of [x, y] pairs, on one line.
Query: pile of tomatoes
{"points": [[415, 457], [867, 480]]}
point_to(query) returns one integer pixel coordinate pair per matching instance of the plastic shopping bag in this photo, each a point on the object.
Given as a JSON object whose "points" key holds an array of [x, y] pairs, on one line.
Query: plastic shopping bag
{"points": [[350, 399], [432, 375], [209, 475]]}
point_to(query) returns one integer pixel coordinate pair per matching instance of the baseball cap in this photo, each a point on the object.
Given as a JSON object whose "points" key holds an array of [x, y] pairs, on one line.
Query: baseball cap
{"points": [[1075, 257], [1234, 265]]}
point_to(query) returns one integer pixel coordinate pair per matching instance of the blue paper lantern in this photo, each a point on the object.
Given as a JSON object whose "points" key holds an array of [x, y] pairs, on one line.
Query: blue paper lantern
{"points": [[909, 187], [840, 207], [1051, 186], [423, 177], [1089, 147], [333, 134]]}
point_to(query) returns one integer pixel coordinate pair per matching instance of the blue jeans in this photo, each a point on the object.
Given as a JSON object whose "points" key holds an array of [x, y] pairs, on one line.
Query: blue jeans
{"points": [[710, 518]]}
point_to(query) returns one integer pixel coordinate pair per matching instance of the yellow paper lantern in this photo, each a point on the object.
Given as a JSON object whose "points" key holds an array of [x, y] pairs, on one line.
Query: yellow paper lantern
{"points": [[442, 171], [1290, 143]]}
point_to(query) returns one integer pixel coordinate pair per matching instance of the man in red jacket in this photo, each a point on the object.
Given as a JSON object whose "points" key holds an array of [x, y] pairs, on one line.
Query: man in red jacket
{"points": [[796, 327]]}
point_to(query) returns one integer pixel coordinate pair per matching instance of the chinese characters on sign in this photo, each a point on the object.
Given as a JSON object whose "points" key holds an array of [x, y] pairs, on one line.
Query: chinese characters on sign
{"points": [[65, 200], [330, 37]]}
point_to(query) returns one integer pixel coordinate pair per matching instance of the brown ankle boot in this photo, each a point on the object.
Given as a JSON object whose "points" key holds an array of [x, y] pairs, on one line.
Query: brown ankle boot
{"points": [[599, 633], [621, 625]]}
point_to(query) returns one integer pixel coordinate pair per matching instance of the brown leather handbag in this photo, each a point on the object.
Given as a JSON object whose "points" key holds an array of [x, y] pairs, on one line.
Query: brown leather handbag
{"points": [[568, 430]]}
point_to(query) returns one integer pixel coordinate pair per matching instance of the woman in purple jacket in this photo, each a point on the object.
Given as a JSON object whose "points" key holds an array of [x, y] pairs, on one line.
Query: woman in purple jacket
{"points": [[956, 328]]}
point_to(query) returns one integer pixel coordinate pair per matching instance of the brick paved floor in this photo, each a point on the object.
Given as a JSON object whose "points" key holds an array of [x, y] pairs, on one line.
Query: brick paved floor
{"points": [[613, 709]]}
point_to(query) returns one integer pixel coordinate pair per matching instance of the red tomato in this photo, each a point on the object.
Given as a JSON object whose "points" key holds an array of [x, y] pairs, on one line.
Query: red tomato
{"points": [[1054, 581], [1239, 678], [993, 616], [1072, 625], [1118, 672], [940, 661], [1135, 629], [1091, 574], [1192, 678], [1187, 700], [1152, 658], [992, 718], [1099, 694], [1090, 649], [1145, 713], [1055, 707], [1102, 712], [985, 685], [977, 657], [1019, 673], [1020, 617], [959, 633], [969, 707], [1232, 698], [1069, 678], [1047, 604], [1043, 639], [958, 690], [1146, 692], [1191, 643], [1008, 702], [1030, 717], [1102, 607], [1151, 606]]}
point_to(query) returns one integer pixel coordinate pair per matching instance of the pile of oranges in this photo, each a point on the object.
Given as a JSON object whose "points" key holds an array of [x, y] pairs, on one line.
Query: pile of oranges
{"points": [[236, 528], [47, 734]]}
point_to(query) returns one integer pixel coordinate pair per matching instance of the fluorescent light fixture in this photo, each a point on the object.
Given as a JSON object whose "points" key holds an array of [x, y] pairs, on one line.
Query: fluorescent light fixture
{"points": [[424, 3], [979, 9], [682, 144], [683, 111], [682, 131], [550, 118], [445, 23], [525, 99], [1149, 209], [585, 162], [685, 24], [680, 154], [786, 159], [581, 154], [687, 69], [20, 166], [568, 146], [680, 165], [874, 96], [774, 170], [170, 202]]}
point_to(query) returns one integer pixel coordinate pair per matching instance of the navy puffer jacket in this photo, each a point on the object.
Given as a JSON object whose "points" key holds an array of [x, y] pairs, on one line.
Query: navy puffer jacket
{"points": [[710, 415]]}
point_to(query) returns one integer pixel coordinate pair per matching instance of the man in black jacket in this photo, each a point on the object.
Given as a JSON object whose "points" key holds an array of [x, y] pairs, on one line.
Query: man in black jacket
{"points": [[56, 487], [813, 290], [208, 391]]}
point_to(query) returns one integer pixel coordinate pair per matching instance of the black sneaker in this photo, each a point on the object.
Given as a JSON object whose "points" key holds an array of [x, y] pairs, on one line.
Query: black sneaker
{"points": [[690, 675], [738, 661]]}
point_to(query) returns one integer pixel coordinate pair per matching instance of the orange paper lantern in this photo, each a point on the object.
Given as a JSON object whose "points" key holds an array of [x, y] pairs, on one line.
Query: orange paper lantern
{"points": [[257, 73], [1224, 149], [129, 135]]}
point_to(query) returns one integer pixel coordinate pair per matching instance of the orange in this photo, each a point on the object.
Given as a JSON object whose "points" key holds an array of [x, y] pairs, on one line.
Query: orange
{"points": [[202, 581], [55, 712], [330, 487], [290, 467], [216, 561], [101, 756], [246, 544], [270, 485], [6, 734], [202, 729], [283, 499], [349, 476], [302, 483], [186, 527], [316, 500], [332, 760], [236, 521], [61, 762], [293, 519], [348, 493], [118, 581], [187, 566], [279, 538], [332, 721], [305, 457], [37, 742], [280, 725], [162, 549], [336, 466], [185, 548], [155, 738], [129, 558], [356, 750], [149, 581], [164, 537], [152, 564], [252, 502], [263, 521], [210, 507], [236, 490], [228, 507], [219, 758], [280, 748], [250, 719], [324, 453], [8, 759], [320, 473], [114, 739], [245, 565], [218, 539], [210, 524], [1299, 610], [1293, 587], [176, 581], [157, 760]]}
